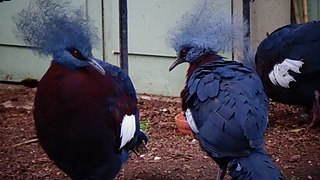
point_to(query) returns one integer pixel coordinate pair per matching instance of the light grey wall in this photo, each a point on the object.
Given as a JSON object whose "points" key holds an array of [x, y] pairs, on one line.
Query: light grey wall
{"points": [[149, 54], [266, 16]]}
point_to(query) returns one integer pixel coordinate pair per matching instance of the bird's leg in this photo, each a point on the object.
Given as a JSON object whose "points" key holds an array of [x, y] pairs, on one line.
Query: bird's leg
{"points": [[221, 173], [306, 116], [315, 110], [140, 149]]}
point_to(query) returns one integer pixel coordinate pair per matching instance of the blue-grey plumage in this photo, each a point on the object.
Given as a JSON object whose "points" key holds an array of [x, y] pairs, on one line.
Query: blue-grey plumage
{"points": [[208, 27], [85, 109], [51, 25], [230, 110], [256, 166], [224, 101], [57, 29], [239, 107]]}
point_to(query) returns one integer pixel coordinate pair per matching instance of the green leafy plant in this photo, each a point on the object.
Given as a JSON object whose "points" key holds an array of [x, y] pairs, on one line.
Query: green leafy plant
{"points": [[144, 124]]}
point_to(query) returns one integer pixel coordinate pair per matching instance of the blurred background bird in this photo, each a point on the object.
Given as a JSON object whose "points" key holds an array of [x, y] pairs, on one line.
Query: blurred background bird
{"points": [[3, 0], [85, 109], [224, 101], [288, 62]]}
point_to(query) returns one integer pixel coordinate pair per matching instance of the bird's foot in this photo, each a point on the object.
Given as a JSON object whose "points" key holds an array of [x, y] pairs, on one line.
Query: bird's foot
{"points": [[140, 149], [221, 174], [140, 145], [314, 123], [305, 117], [315, 111]]}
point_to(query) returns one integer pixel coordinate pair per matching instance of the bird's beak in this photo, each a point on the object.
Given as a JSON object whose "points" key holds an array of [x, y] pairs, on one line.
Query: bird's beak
{"points": [[93, 62], [176, 63]]}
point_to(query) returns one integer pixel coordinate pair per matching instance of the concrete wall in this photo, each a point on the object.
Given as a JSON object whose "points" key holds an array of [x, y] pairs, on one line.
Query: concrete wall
{"points": [[149, 54], [265, 16]]}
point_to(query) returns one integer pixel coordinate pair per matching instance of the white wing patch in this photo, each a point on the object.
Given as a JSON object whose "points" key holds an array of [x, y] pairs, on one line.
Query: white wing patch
{"points": [[238, 167], [191, 122], [128, 128], [280, 75]]}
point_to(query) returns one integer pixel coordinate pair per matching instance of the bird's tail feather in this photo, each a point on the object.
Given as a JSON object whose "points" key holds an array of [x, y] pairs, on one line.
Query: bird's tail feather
{"points": [[258, 165], [242, 46], [248, 58]]}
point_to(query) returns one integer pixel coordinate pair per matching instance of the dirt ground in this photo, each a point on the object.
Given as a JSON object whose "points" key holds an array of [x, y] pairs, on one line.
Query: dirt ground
{"points": [[172, 155]]}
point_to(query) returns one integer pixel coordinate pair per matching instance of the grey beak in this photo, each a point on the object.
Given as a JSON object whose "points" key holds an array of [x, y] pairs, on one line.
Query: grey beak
{"points": [[176, 63], [97, 66]]}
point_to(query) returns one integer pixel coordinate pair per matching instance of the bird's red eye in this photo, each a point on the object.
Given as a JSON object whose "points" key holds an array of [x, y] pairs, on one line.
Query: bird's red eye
{"points": [[183, 53], [76, 53]]}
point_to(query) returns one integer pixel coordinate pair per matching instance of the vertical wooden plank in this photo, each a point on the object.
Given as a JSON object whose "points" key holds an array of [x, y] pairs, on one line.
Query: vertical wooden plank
{"points": [[296, 11], [299, 2], [305, 11], [313, 9]]}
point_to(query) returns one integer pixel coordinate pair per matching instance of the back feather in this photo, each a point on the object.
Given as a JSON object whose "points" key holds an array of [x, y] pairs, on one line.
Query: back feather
{"points": [[229, 107]]}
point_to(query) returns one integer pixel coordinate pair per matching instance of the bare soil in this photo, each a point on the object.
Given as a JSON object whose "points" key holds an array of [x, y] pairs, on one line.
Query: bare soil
{"points": [[172, 155]]}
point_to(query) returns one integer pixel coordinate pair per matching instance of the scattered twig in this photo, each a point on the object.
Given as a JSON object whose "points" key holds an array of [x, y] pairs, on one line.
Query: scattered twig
{"points": [[26, 142]]}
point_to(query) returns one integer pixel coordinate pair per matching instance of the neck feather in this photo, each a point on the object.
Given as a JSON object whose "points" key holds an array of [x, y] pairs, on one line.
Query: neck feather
{"points": [[207, 58]]}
